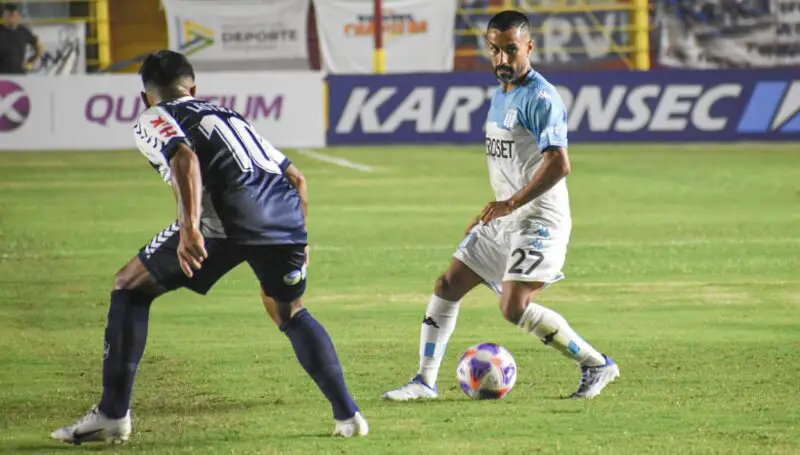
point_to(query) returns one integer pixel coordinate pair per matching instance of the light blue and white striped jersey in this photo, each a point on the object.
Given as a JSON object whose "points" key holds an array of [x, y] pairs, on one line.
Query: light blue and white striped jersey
{"points": [[521, 124]]}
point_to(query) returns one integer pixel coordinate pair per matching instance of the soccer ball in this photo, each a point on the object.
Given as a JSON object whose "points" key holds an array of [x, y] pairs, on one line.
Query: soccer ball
{"points": [[487, 370]]}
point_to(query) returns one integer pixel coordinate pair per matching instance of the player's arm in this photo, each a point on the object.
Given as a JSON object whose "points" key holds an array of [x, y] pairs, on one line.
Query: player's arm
{"points": [[162, 140], [555, 166], [188, 186], [298, 180]]}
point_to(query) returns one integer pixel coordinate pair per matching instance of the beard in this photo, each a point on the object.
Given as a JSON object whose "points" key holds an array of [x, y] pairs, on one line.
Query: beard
{"points": [[504, 74]]}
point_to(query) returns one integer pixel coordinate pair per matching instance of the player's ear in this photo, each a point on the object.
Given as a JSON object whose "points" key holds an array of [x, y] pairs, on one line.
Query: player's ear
{"points": [[145, 100], [193, 90]]}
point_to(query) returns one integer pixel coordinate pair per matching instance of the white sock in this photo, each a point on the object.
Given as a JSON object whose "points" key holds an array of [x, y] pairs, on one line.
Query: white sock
{"points": [[438, 325], [553, 330]]}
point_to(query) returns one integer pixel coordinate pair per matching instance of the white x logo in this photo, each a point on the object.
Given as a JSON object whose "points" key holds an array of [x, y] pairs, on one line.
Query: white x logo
{"points": [[7, 109]]}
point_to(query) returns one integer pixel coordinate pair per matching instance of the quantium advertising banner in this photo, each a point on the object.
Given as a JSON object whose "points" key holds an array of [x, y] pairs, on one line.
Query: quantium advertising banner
{"points": [[664, 105], [418, 35], [97, 112], [232, 35]]}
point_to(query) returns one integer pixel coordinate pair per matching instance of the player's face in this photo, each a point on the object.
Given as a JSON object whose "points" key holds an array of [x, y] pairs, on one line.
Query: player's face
{"points": [[511, 53]]}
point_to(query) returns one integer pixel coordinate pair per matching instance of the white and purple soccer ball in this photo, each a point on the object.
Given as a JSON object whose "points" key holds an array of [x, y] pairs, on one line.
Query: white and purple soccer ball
{"points": [[487, 371]]}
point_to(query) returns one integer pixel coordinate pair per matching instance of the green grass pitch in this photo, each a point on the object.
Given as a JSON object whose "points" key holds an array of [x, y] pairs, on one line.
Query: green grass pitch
{"points": [[683, 265]]}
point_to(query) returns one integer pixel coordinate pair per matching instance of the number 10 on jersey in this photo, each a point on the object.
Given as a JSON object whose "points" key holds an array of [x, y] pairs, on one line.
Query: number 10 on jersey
{"points": [[246, 145]]}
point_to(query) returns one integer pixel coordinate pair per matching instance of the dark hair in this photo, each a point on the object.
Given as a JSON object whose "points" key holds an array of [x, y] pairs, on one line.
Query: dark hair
{"points": [[10, 7], [509, 19], [164, 68]]}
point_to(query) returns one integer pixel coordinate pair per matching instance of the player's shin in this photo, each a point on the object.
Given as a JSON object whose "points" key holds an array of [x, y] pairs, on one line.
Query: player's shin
{"points": [[553, 330], [437, 327], [316, 353], [125, 338]]}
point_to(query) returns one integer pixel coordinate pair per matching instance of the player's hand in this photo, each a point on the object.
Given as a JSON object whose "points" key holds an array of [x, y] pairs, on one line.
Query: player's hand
{"points": [[496, 209], [191, 250], [308, 255]]}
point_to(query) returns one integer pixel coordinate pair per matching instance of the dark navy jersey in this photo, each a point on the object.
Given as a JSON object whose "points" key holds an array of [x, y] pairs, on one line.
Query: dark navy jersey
{"points": [[246, 196]]}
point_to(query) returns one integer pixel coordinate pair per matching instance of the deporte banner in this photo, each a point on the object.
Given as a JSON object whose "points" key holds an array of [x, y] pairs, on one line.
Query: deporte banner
{"points": [[663, 105], [97, 112], [220, 35]]}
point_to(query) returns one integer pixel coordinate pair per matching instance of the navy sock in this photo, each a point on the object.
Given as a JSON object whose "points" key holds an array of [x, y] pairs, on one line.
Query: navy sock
{"points": [[126, 335], [315, 351]]}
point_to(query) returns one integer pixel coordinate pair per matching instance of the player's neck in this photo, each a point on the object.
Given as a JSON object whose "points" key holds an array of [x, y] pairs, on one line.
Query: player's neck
{"points": [[514, 84], [172, 96]]}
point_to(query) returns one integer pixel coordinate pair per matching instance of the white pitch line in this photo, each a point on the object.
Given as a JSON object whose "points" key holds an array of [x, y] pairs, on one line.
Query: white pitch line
{"points": [[337, 161]]}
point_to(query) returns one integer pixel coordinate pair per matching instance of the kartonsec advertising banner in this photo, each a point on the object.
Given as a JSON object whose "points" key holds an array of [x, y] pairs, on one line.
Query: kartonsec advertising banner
{"points": [[612, 106]]}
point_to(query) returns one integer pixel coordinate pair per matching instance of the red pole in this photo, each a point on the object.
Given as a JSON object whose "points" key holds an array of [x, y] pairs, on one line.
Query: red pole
{"points": [[378, 56]]}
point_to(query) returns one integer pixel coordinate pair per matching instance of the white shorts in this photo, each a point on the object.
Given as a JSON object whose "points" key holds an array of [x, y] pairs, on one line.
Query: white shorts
{"points": [[513, 251]]}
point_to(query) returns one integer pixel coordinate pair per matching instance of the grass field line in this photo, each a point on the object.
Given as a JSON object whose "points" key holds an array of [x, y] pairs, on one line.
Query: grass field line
{"points": [[335, 160]]}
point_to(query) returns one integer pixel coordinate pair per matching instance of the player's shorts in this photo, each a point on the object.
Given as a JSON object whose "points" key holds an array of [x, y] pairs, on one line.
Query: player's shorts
{"points": [[280, 269], [513, 251]]}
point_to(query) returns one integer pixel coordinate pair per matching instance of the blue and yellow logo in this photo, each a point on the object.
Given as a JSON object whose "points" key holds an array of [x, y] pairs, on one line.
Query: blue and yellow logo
{"points": [[193, 37]]}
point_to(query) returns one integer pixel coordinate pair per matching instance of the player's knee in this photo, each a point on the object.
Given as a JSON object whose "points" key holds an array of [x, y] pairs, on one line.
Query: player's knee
{"points": [[445, 289], [123, 281], [513, 307], [135, 277]]}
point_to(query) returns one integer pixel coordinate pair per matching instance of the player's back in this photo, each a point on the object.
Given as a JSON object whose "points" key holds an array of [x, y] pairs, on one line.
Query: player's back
{"points": [[246, 196], [521, 124]]}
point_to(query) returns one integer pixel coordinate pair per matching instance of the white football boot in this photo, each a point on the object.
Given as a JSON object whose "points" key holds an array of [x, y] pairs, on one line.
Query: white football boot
{"points": [[595, 379], [95, 426], [354, 426], [416, 389]]}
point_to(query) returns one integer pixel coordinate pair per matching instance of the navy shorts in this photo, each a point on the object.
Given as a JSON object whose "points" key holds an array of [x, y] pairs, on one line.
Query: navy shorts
{"points": [[280, 269]]}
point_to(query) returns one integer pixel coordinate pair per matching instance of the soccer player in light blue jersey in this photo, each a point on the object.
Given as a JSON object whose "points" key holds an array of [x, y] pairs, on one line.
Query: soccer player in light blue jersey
{"points": [[518, 244]]}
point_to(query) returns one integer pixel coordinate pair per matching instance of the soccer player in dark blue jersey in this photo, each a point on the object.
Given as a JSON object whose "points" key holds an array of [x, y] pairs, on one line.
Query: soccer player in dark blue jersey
{"points": [[239, 200]]}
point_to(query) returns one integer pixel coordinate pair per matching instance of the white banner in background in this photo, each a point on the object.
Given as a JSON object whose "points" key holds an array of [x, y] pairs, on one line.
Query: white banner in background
{"points": [[97, 112], [230, 35], [64, 48], [418, 35]]}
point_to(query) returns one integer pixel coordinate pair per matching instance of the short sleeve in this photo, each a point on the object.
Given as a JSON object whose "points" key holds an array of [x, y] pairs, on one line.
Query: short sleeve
{"points": [[158, 136], [546, 119]]}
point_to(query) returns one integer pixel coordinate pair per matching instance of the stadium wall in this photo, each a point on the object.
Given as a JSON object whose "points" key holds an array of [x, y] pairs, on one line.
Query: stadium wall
{"points": [[96, 112]]}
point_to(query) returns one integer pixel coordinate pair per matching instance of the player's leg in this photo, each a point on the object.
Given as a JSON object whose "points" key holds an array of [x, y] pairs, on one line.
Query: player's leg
{"points": [[280, 313], [125, 337], [532, 265], [282, 274], [473, 263], [152, 273]]}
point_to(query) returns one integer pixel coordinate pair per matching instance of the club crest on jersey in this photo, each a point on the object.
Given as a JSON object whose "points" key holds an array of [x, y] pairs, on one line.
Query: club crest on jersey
{"points": [[510, 120]]}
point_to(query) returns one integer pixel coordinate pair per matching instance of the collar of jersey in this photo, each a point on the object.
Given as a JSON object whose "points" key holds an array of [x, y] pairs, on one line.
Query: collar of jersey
{"points": [[528, 77]]}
